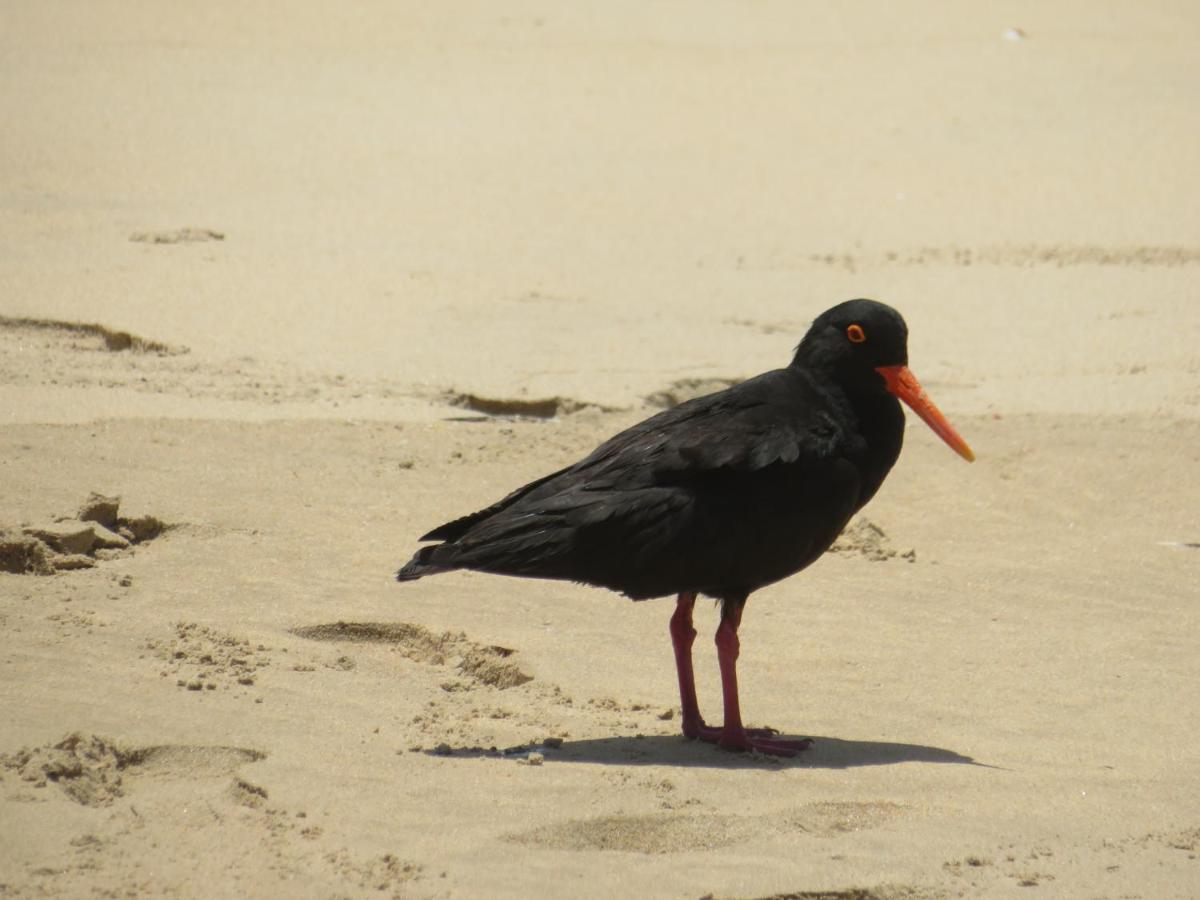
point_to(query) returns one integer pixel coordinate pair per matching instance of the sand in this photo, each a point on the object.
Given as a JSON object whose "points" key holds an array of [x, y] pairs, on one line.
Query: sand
{"points": [[292, 284]]}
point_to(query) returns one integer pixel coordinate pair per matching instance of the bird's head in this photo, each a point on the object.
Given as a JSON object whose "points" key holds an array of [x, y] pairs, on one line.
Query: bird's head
{"points": [[863, 346]]}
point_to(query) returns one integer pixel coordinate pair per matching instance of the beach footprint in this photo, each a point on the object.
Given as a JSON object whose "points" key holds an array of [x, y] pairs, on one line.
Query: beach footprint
{"points": [[482, 664], [96, 771], [658, 833]]}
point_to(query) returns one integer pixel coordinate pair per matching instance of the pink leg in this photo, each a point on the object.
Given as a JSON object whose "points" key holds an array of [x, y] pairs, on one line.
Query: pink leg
{"points": [[683, 634], [733, 735]]}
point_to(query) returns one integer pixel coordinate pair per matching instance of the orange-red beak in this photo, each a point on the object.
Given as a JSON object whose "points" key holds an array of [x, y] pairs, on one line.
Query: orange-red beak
{"points": [[904, 384]]}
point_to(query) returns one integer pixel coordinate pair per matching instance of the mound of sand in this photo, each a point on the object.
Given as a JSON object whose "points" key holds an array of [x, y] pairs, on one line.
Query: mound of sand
{"points": [[98, 532], [85, 767]]}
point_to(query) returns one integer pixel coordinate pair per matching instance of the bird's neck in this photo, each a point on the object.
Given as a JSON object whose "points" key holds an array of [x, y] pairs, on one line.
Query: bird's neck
{"points": [[880, 422]]}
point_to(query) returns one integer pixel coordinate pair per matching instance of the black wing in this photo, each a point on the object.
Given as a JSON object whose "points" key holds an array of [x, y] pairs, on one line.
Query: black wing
{"points": [[746, 427]]}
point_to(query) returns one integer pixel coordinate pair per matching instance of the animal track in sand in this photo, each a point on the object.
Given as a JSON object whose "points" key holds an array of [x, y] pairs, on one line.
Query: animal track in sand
{"points": [[94, 770], [677, 833], [485, 664]]}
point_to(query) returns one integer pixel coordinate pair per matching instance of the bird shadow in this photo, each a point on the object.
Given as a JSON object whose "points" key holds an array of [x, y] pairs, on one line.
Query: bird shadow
{"points": [[675, 750]]}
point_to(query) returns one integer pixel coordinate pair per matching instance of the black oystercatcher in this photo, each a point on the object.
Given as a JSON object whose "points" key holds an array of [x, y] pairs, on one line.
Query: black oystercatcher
{"points": [[719, 496]]}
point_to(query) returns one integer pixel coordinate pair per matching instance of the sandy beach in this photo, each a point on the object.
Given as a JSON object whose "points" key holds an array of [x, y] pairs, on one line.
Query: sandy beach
{"points": [[283, 286]]}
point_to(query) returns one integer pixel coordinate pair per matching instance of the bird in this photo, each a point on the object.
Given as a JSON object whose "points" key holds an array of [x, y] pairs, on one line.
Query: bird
{"points": [[718, 496]]}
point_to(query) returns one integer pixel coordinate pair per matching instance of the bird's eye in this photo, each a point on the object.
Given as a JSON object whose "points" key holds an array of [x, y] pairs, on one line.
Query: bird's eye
{"points": [[856, 334]]}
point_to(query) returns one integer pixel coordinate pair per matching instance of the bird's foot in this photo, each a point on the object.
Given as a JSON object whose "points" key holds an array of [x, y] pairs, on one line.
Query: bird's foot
{"points": [[745, 740], [742, 740]]}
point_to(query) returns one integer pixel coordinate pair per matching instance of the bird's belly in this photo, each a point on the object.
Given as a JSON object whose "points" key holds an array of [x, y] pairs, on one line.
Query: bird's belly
{"points": [[753, 560], [742, 540]]}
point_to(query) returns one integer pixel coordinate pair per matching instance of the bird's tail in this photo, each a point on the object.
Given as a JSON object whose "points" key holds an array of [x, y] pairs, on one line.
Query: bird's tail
{"points": [[422, 564]]}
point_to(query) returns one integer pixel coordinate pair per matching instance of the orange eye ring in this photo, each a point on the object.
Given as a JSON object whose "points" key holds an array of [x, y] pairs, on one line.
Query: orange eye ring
{"points": [[856, 334]]}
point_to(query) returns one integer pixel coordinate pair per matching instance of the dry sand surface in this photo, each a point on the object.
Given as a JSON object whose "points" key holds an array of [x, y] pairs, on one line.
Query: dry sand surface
{"points": [[297, 282]]}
